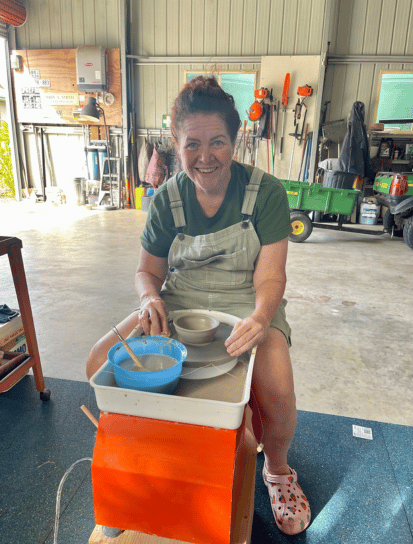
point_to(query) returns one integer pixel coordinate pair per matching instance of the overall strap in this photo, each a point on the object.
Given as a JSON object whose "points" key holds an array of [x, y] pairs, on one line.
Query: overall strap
{"points": [[175, 203], [251, 192]]}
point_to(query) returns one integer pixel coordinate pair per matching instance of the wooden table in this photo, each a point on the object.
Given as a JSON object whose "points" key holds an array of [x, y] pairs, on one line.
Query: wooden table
{"points": [[12, 247]]}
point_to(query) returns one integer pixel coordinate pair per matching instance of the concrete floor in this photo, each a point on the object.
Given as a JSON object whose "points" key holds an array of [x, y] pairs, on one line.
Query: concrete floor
{"points": [[350, 304]]}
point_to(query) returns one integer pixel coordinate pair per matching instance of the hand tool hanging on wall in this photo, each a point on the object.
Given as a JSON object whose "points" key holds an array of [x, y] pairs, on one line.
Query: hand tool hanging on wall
{"points": [[307, 155], [263, 123], [296, 137], [303, 153], [244, 131], [260, 111], [257, 107], [237, 147], [255, 111], [246, 144], [303, 94], [254, 143], [300, 141], [274, 130], [271, 129], [257, 143], [284, 103]]}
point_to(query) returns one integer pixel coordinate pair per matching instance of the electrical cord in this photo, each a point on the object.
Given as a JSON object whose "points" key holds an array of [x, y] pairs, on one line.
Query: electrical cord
{"points": [[59, 494]]}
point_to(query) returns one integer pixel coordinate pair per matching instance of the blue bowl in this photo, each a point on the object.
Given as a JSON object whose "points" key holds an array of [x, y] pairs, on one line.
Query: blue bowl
{"points": [[160, 381]]}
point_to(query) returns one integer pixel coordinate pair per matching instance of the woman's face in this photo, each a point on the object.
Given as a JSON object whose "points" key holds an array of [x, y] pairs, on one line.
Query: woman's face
{"points": [[206, 151]]}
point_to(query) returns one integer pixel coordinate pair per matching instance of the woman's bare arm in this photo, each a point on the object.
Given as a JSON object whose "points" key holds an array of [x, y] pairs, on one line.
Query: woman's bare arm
{"points": [[149, 278], [269, 283]]}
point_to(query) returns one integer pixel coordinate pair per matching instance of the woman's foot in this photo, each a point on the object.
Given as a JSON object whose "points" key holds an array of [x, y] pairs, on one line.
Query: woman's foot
{"points": [[290, 506]]}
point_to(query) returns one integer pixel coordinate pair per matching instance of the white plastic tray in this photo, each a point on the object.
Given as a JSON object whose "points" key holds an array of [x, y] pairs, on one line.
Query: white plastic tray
{"points": [[198, 411]]}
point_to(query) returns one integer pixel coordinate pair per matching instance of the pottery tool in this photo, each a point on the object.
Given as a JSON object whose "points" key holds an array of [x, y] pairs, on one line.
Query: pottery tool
{"points": [[129, 350], [89, 415]]}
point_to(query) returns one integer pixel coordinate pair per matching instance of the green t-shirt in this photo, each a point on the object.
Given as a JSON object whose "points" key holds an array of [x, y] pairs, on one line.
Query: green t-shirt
{"points": [[271, 216]]}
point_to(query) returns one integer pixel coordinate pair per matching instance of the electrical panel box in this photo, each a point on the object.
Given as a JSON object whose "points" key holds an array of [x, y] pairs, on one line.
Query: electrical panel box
{"points": [[91, 68]]}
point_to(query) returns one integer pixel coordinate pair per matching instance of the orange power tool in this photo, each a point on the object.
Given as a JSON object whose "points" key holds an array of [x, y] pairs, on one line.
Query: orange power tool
{"points": [[284, 103], [303, 93]]}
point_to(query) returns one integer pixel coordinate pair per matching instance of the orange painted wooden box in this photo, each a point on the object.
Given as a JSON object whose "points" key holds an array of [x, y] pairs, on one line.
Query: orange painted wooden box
{"points": [[173, 480]]}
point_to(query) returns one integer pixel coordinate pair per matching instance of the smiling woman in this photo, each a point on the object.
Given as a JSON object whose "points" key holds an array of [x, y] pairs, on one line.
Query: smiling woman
{"points": [[216, 239]]}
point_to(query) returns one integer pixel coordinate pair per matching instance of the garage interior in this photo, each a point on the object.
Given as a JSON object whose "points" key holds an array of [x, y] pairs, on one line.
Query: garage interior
{"points": [[349, 293]]}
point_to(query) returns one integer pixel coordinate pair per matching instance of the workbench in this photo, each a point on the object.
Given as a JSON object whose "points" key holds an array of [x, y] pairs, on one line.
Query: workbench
{"points": [[11, 247]]}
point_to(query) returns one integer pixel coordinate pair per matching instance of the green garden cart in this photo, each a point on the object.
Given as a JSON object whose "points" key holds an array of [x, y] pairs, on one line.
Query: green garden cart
{"points": [[305, 198]]}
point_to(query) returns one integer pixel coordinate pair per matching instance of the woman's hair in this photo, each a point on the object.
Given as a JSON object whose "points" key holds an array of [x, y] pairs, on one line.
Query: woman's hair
{"points": [[204, 95]]}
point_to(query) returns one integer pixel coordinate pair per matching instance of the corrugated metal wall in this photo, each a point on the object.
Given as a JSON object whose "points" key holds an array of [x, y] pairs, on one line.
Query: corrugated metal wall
{"points": [[66, 24], [226, 27], [366, 27], [373, 27], [214, 28], [230, 27]]}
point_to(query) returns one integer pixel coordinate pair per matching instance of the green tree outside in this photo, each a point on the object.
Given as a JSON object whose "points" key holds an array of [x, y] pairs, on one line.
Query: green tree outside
{"points": [[6, 170]]}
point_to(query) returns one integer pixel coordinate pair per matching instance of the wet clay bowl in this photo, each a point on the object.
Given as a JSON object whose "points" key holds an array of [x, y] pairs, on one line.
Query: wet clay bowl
{"points": [[162, 357], [196, 329]]}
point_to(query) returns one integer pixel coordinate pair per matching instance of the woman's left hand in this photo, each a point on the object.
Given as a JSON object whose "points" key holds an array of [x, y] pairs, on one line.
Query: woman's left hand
{"points": [[245, 335]]}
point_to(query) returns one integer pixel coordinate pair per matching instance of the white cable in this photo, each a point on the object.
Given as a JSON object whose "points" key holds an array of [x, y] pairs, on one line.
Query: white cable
{"points": [[59, 493]]}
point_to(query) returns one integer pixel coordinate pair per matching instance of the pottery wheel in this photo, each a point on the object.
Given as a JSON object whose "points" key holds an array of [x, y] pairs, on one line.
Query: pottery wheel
{"points": [[215, 352]]}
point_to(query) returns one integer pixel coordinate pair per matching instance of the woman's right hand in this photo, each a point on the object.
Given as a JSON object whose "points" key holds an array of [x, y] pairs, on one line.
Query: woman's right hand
{"points": [[153, 315]]}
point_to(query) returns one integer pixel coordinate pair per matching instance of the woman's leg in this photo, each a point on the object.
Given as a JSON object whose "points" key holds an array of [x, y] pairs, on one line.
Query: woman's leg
{"points": [[99, 353], [273, 400], [274, 420]]}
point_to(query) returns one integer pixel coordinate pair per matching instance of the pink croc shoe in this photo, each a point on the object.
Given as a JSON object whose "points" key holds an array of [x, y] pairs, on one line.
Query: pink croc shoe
{"points": [[289, 505]]}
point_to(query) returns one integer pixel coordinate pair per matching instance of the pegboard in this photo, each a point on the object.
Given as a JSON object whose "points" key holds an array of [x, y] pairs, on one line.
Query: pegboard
{"points": [[45, 89], [304, 70]]}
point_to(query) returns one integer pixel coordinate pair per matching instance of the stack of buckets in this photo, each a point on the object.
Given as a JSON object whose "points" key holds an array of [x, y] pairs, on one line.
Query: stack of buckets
{"points": [[369, 212]]}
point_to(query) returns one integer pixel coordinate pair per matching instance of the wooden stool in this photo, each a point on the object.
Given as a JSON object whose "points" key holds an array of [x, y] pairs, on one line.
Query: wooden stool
{"points": [[183, 482], [12, 247]]}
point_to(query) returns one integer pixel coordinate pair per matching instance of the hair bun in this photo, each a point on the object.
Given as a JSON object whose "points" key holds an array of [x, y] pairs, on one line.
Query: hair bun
{"points": [[203, 94]]}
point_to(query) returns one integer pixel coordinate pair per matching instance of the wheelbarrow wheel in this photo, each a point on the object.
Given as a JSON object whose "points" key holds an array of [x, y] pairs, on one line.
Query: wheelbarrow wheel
{"points": [[302, 227]]}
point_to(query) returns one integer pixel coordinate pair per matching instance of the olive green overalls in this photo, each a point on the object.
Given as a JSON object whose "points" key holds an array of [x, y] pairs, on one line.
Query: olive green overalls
{"points": [[215, 271]]}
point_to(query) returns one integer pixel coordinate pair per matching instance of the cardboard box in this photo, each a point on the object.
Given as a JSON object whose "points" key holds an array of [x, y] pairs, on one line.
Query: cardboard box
{"points": [[18, 344], [11, 330]]}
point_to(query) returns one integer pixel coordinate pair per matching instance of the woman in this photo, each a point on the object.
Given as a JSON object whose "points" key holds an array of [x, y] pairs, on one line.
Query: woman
{"points": [[216, 238]]}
